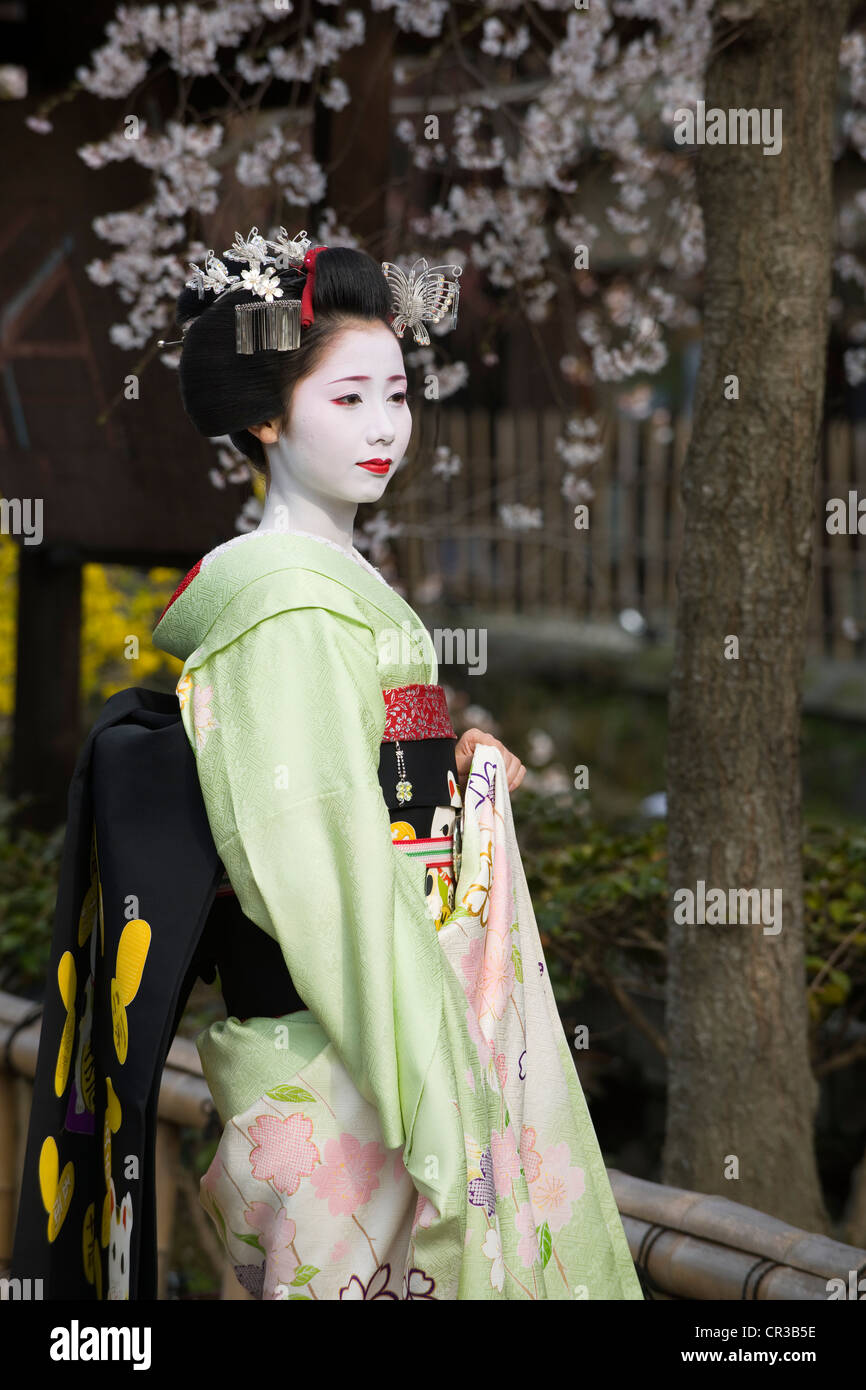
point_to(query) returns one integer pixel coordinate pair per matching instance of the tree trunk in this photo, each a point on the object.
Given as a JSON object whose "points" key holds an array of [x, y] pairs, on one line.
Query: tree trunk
{"points": [[740, 1084]]}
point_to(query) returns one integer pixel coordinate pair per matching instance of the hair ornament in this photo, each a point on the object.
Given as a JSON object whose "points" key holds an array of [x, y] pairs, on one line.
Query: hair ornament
{"points": [[176, 342], [290, 250], [254, 249], [307, 315], [425, 295], [272, 322]]}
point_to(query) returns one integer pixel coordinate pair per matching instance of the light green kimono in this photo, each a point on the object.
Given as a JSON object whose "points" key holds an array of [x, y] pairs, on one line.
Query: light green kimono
{"points": [[287, 646]]}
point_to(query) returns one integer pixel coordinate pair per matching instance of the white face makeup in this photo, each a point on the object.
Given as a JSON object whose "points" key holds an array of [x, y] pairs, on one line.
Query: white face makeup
{"points": [[351, 409]]}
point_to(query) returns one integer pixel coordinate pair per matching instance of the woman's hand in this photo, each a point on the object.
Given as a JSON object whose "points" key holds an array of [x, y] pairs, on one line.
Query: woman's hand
{"points": [[514, 768]]}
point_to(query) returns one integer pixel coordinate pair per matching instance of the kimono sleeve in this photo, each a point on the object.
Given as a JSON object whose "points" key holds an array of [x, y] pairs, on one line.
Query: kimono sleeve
{"points": [[287, 721]]}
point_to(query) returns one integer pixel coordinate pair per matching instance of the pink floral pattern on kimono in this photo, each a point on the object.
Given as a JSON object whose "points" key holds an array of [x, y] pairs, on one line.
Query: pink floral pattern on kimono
{"points": [[282, 1153], [329, 1212], [204, 720], [276, 1234], [347, 1176]]}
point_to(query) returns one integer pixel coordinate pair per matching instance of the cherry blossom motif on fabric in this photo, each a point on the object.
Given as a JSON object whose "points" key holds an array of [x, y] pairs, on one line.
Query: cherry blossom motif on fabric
{"points": [[416, 711], [310, 1204], [204, 720], [542, 1222], [306, 1199]]}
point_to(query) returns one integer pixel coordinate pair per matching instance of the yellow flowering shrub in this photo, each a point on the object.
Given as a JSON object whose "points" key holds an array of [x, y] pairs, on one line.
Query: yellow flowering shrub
{"points": [[120, 609]]}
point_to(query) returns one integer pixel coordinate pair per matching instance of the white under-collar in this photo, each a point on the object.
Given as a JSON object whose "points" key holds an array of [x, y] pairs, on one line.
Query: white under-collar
{"points": [[353, 554]]}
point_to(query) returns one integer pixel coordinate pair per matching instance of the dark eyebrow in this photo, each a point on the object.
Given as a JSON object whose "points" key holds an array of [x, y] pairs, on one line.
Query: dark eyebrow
{"points": [[401, 377]]}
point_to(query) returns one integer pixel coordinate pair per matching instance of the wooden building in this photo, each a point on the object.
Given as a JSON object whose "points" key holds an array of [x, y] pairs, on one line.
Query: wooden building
{"points": [[119, 480]]}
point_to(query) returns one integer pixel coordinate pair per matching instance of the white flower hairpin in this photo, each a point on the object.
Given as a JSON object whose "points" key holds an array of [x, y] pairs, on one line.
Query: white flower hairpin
{"points": [[268, 324]]}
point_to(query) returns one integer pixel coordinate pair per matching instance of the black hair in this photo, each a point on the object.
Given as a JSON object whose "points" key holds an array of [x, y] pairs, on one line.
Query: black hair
{"points": [[223, 391]]}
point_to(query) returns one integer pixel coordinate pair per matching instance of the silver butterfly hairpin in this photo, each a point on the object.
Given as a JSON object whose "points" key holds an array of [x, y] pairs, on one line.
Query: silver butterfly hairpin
{"points": [[291, 250], [215, 276], [251, 248], [425, 294]]}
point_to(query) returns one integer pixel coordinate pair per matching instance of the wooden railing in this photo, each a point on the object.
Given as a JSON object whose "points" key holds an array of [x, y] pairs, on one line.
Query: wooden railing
{"points": [[686, 1245], [628, 557], [184, 1099]]}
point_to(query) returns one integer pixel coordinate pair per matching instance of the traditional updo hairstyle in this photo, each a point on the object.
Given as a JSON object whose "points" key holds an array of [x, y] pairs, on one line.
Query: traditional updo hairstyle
{"points": [[224, 391]]}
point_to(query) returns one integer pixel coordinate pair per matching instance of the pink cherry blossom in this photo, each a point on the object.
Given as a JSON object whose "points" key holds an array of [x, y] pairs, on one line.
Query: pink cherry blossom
{"points": [[506, 1160], [276, 1231], [214, 1173], [425, 1212], [347, 1175], [282, 1152], [260, 1215], [496, 981], [557, 1186], [470, 964], [529, 1155], [527, 1248]]}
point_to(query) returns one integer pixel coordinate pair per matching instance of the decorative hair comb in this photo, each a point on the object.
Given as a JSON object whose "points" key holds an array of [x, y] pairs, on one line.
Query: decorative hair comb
{"points": [[426, 294], [272, 322]]}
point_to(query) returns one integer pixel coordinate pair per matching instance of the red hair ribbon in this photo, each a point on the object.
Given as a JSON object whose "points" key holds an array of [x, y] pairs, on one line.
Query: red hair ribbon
{"points": [[307, 315]]}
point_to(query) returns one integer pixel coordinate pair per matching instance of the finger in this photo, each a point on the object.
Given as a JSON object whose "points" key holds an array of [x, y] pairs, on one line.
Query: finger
{"points": [[490, 739]]}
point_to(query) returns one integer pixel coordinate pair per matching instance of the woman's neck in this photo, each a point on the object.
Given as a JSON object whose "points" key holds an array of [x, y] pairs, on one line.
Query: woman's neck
{"points": [[331, 518]]}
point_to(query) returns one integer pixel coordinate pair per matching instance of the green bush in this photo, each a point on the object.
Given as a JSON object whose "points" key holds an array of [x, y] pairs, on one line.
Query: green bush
{"points": [[600, 900], [29, 872]]}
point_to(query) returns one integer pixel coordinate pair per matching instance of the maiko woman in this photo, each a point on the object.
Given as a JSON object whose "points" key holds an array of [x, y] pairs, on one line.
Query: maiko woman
{"points": [[401, 1114]]}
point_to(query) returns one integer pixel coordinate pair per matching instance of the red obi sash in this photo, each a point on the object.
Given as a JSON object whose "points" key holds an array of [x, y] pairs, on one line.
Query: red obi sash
{"points": [[416, 711]]}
